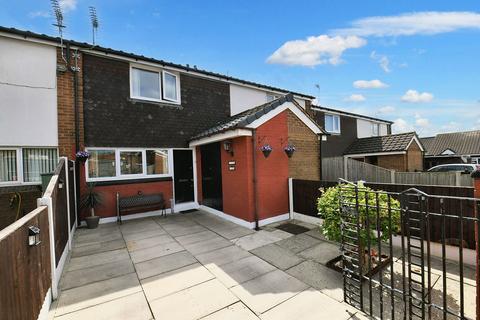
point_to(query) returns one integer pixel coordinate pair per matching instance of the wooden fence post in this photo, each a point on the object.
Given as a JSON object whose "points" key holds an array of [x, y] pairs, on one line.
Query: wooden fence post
{"points": [[345, 168], [476, 184]]}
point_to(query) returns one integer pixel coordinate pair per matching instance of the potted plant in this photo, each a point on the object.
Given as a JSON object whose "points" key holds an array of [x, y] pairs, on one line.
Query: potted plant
{"points": [[329, 209], [90, 200], [82, 156], [289, 150], [266, 149]]}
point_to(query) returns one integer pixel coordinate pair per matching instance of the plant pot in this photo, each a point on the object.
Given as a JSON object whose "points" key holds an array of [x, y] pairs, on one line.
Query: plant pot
{"points": [[82, 160], [289, 153], [266, 153], [92, 222]]}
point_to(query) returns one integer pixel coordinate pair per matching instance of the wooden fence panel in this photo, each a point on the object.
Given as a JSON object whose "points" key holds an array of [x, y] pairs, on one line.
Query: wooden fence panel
{"points": [[25, 272], [332, 168], [60, 213], [71, 189], [357, 170]]}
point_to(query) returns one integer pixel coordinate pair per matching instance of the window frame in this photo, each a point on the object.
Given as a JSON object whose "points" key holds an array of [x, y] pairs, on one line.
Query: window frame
{"points": [[119, 176], [339, 131], [161, 81], [177, 86], [20, 174], [375, 125]]}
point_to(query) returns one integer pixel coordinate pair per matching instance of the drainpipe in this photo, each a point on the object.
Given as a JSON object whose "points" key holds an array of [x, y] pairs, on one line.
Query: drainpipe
{"points": [[254, 149]]}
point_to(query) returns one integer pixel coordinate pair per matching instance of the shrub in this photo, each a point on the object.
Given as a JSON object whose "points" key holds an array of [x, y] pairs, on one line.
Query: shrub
{"points": [[329, 209]]}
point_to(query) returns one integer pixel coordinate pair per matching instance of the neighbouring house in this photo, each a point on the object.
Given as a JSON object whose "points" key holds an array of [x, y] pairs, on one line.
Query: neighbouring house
{"points": [[400, 152], [152, 126], [28, 123], [345, 128], [454, 147]]}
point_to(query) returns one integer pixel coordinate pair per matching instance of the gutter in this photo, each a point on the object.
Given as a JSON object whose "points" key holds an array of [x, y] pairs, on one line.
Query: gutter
{"points": [[255, 184]]}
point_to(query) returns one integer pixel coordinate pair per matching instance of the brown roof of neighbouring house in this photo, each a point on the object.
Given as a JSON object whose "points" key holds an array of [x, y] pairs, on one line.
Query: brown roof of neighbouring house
{"points": [[462, 143], [388, 143], [245, 118]]}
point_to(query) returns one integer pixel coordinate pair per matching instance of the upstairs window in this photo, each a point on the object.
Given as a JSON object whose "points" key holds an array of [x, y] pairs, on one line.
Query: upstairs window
{"points": [[332, 123], [154, 85], [375, 129], [8, 166], [271, 97]]}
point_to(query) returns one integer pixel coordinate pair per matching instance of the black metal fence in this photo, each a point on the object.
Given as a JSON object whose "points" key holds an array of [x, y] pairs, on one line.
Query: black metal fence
{"points": [[416, 279]]}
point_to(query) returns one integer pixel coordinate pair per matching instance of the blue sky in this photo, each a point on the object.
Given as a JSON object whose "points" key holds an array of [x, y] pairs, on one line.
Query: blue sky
{"points": [[415, 63]]}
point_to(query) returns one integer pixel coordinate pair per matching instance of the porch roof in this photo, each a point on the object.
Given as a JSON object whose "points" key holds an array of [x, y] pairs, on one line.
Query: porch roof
{"points": [[242, 123]]}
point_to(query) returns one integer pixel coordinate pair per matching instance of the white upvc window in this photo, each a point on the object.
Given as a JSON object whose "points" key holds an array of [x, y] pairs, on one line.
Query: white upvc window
{"points": [[108, 164], [171, 87], [332, 123], [272, 96], [375, 129], [26, 165], [154, 84]]}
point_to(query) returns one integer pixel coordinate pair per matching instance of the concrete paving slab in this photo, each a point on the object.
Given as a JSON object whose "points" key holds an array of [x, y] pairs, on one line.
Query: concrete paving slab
{"points": [[265, 292], [94, 238], [176, 231], [316, 233], [97, 259], [98, 247], [196, 237], [257, 239], [136, 227], [174, 281], [298, 243], [233, 232], [237, 311], [72, 279], [97, 293], [132, 307], [222, 256], [148, 242], [207, 245], [159, 250], [237, 272], [193, 303], [278, 256], [144, 234], [328, 281], [164, 264], [322, 252], [309, 305]]}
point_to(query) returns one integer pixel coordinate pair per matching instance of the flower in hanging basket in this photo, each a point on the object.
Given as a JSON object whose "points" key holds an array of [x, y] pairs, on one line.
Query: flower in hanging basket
{"points": [[289, 150], [266, 149], [82, 156]]}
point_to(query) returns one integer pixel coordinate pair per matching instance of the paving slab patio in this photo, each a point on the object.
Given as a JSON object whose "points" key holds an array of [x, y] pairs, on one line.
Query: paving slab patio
{"points": [[191, 266]]}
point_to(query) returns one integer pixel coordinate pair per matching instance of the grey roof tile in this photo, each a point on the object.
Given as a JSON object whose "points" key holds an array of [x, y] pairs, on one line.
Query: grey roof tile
{"points": [[462, 143], [388, 143]]}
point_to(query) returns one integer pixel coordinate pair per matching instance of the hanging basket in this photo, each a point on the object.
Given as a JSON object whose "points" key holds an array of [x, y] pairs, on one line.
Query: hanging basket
{"points": [[289, 150], [266, 150], [82, 156]]}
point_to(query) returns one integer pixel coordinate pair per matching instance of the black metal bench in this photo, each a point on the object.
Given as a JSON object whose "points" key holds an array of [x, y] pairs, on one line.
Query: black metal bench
{"points": [[139, 203]]}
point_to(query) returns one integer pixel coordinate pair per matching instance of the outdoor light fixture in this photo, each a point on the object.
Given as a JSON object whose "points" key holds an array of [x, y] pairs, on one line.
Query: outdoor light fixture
{"points": [[227, 146], [60, 184], [33, 236]]}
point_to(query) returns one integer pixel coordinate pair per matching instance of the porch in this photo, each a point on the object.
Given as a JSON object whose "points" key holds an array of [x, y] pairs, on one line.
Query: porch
{"points": [[196, 265]]}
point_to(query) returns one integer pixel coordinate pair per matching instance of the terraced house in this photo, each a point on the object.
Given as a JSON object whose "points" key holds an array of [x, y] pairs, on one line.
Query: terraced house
{"points": [[197, 137]]}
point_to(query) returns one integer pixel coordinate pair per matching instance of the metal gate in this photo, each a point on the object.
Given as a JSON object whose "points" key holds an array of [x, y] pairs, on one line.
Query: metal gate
{"points": [[405, 255]]}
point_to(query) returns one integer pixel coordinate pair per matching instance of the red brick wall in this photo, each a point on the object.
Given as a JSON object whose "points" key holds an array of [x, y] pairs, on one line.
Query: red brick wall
{"points": [[414, 158], [66, 109], [397, 162], [109, 195], [272, 172], [237, 185]]}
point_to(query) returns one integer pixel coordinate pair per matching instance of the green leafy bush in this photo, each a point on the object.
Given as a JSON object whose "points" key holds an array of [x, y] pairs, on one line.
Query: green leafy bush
{"points": [[329, 209]]}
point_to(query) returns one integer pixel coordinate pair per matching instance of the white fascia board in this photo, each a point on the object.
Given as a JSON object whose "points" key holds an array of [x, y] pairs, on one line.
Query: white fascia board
{"points": [[351, 115], [221, 136], [275, 112], [374, 154], [418, 143]]}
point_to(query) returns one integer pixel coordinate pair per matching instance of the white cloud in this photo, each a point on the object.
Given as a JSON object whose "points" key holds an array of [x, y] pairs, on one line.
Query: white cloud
{"points": [[315, 50], [355, 98], [421, 122], [400, 125], [416, 23], [382, 60], [369, 84], [68, 5], [41, 14], [416, 97], [386, 110]]}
